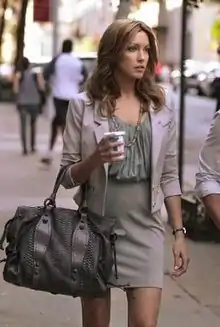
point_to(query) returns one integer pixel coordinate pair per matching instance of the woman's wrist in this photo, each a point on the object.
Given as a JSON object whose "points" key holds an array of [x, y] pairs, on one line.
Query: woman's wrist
{"points": [[179, 233], [87, 166], [94, 160]]}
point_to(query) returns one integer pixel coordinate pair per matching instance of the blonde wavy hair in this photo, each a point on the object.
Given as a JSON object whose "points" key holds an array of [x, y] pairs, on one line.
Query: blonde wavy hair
{"points": [[103, 86]]}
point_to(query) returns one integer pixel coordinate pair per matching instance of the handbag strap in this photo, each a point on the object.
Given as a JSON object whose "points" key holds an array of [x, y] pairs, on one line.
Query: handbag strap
{"points": [[51, 200]]}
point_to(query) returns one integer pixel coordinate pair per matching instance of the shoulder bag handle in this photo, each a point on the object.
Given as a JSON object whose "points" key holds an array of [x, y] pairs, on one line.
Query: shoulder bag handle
{"points": [[51, 200]]}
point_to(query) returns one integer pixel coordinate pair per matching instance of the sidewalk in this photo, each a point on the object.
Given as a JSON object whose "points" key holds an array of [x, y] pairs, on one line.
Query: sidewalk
{"points": [[191, 301], [22, 308], [186, 302], [202, 281]]}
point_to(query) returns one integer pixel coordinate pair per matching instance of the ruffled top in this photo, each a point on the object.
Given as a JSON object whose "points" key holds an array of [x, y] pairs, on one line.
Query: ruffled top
{"points": [[136, 165]]}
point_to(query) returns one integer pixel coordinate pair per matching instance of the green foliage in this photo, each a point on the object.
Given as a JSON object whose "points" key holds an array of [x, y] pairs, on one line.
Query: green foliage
{"points": [[215, 30]]}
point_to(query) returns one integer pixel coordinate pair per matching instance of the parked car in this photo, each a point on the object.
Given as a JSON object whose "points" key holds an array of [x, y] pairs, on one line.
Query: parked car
{"points": [[192, 70], [6, 76], [207, 79]]}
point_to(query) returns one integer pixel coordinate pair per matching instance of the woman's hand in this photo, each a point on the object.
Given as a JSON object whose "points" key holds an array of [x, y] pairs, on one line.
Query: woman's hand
{"points": [[181, 259], [106, 151]]}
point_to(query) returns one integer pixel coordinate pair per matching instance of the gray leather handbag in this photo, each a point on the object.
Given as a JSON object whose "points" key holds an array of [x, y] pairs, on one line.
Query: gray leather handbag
{"points": [[58, 250]]}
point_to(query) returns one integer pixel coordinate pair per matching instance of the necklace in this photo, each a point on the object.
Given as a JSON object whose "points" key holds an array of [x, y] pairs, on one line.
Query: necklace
{"points": [[131, 142]]}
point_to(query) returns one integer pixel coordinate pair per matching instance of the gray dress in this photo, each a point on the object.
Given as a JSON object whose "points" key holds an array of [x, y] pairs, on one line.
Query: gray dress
{"points": [[140, 240]]}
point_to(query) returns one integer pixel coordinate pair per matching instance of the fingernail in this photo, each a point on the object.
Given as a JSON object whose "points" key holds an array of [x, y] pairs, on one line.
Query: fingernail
{"points": [[176, 267]]}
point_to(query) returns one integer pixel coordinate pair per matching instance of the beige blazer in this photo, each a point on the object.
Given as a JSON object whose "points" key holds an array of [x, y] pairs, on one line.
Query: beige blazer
{"points": [[208, 175], [85, 129]]}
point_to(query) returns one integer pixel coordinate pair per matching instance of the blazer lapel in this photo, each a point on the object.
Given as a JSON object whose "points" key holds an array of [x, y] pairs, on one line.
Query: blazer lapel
{"points": [[156, 137], [157, 127]]}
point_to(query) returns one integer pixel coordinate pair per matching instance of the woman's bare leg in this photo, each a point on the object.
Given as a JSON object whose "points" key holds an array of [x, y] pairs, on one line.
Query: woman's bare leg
{"points": [[143, 306], [96, 311]]}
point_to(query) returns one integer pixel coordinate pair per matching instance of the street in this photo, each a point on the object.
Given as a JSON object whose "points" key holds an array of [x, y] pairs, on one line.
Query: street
{"points": [[191, 301]]}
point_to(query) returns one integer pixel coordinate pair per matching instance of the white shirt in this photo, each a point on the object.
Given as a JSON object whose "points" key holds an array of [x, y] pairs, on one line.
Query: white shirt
{"points": [[67, 76]]}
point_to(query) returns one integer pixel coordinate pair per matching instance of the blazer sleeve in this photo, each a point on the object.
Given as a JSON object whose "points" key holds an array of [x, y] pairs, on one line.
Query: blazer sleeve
{"points": [[170, 178], [208, 174], [72, 140]]}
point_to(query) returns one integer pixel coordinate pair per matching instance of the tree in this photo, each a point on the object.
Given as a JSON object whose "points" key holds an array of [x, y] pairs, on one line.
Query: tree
{"points": [[2, 24], [125, 5], [20, 33], [123, 9]]}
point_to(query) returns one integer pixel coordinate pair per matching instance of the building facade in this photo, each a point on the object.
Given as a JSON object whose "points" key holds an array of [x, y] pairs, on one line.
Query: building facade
{"points": [[85, 20], [199, 45]]}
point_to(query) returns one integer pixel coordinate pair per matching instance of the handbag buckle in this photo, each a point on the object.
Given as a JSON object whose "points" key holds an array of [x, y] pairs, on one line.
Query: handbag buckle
{"points": [[49, 202]]}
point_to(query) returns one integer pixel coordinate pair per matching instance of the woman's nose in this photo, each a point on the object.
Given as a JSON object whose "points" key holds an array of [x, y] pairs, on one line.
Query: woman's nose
{"points": [[141, 56]]}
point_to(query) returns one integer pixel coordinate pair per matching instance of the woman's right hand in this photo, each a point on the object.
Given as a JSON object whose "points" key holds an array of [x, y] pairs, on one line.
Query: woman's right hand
{"points": [[106, 151]]}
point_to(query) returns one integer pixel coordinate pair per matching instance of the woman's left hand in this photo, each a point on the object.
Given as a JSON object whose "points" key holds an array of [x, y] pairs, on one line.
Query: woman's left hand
{"points": [[181, 258]]}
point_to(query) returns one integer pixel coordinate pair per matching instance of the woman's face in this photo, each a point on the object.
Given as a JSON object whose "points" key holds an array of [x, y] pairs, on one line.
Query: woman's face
{"points": [[135, 57]]}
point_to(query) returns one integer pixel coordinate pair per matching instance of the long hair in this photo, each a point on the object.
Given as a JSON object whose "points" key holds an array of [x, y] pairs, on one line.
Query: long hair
{"points": [[103, 86]]}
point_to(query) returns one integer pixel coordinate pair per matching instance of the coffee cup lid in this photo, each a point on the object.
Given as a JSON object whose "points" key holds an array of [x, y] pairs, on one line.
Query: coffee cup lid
{"points": [[117, 133]]}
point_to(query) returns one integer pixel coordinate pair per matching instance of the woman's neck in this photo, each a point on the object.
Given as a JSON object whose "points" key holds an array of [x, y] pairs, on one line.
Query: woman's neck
{"points": [[127, 86]]}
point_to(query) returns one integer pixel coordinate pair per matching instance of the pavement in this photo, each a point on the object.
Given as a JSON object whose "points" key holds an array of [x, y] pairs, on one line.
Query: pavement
{"points": [[190, 301]]}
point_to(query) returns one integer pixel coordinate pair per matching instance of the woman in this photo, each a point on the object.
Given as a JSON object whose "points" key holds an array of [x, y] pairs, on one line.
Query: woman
{"points": [[122, 95], [27, 87]]}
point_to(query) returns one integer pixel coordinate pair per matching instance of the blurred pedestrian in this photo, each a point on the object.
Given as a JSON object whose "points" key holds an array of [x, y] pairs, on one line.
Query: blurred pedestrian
{"points": [[28, 87], [66, 73], [128, 178], [158, 69], [208, 176], [216, 87]]}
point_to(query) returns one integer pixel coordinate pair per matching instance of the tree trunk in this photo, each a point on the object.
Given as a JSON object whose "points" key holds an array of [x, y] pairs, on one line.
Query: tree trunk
{"points": [[20, 34], [2, 25], [123, 9]]}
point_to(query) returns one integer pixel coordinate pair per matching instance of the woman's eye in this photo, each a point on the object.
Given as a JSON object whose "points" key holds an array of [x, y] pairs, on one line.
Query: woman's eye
{"points": [[132, 48]]}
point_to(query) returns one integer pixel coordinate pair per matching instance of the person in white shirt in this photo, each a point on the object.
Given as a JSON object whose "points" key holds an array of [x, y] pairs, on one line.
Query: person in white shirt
{"points": [[208, 172], [66, 70]]}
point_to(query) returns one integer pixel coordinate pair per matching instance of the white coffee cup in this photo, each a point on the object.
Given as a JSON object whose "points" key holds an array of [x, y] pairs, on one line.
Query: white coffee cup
{"points": [[117, 137]]}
